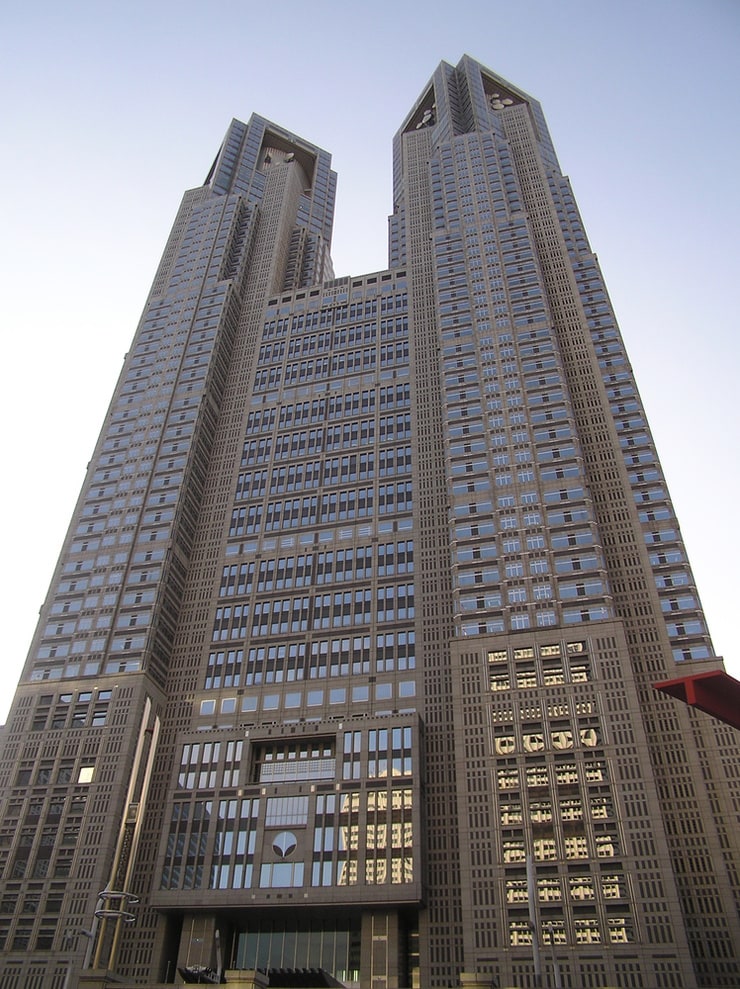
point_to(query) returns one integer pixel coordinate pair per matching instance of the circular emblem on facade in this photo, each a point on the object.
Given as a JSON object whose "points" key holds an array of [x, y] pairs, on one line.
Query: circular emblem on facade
{"points": [[283, 844]]}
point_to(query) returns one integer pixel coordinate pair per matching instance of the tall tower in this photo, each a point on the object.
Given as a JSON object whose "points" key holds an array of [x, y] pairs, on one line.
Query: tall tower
{"points": [[348, 660]]}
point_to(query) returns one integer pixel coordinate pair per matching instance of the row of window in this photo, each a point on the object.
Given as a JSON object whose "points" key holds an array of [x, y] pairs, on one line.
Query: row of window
{"points": [[340, 610], [296, 700], [324, 408], [336, 312], [309, 443], [318, 343], [323, 368], [331, 471], [312, 510]]}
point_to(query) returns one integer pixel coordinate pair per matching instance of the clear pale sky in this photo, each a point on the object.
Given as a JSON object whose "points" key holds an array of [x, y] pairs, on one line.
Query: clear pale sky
{"points": [[110, 111]]}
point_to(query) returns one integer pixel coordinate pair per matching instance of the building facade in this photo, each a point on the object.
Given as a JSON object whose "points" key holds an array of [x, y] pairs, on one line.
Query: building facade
{"points": [[348, 660]]}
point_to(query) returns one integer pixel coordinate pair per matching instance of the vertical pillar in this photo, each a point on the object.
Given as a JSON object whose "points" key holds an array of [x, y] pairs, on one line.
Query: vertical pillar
{"points": [[381, 951], [197, 941]]}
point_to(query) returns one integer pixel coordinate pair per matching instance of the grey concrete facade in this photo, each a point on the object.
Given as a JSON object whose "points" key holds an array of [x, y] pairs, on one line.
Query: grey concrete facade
{"points": [[347, 662]]}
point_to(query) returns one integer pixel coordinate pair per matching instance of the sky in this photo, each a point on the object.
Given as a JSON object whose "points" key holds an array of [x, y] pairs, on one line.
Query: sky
{"points": [[110, 111]]}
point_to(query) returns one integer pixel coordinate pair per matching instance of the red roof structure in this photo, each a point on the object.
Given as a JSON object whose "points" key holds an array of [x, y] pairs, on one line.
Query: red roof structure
{"points": [[715, 692]]}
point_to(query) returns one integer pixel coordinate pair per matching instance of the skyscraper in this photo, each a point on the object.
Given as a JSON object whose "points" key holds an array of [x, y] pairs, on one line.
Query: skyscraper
{"points": [[348, 659]]}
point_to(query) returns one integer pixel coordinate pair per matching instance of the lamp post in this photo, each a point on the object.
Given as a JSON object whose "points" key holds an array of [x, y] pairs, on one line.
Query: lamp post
{"points": [[68, 945], [534, 928], [533, 925], [555, 966]]}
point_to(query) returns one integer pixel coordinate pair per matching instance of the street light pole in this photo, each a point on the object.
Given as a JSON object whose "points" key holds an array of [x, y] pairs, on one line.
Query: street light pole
{"points": [[533, 925], [555, 966]]}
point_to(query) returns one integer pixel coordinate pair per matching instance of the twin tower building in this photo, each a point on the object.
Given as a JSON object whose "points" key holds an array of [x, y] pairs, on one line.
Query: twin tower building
{"points": [[346, 671]]}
